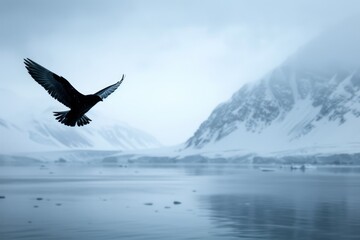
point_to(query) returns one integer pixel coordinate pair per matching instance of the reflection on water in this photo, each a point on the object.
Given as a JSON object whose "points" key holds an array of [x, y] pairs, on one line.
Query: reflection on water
{"points": [[216, 202], [269, 217], [287, 205]]}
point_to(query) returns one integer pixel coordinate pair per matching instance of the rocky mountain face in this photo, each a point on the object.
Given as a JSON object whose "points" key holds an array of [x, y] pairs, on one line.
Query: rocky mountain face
{"points": [[313, 99]]}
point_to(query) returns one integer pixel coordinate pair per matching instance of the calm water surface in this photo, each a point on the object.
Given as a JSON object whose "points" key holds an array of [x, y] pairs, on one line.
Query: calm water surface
{"points": [[212, 202]]}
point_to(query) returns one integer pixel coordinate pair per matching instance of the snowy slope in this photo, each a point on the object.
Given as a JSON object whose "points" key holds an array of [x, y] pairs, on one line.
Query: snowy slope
{"points": [[46, 134], [310, 102], [26, 127]]}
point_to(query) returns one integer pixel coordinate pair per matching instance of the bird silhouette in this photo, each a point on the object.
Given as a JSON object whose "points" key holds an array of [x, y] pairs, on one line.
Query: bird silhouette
{"points": [[60, 89]]}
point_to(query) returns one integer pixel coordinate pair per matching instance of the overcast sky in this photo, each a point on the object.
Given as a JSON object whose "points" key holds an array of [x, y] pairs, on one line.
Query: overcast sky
{"points": [[181, 58]]}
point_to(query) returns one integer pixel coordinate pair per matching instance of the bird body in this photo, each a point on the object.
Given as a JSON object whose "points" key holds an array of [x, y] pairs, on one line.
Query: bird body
{"points": [[60, 89]]}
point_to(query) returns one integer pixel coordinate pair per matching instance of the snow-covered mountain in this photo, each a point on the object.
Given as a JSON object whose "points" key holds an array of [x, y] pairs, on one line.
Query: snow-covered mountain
{"points": [[46, 134], [26, 127], [311, 101]]}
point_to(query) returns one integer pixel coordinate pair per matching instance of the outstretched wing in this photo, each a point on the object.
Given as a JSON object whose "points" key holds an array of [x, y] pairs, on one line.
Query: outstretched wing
{"points": [[110, 89], [57, 86]]}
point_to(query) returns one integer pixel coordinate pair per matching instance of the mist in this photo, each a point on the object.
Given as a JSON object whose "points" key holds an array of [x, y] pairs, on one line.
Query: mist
{"points": [[236, 119], [181, 59]]}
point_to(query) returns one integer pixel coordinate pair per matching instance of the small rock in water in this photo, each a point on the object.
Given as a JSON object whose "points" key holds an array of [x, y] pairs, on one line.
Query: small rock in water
{"points": [[194, 190], [267, 170], [176, 202], [148, 204], [58, 204], [36, 206], [61, 160], [167, 207], [39, 198], [29, 221], [2, 197]]}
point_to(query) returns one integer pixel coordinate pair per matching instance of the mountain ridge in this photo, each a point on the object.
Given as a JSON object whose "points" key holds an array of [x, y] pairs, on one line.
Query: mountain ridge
{"points": [[45, 134], [305, 102]]}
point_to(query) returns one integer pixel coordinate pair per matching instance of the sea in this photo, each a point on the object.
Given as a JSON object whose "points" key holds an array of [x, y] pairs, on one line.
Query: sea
{"points": [[179, 201]]}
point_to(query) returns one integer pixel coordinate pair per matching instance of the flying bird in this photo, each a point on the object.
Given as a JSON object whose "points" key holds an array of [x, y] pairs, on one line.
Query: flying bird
{"points": [[60, 89]]}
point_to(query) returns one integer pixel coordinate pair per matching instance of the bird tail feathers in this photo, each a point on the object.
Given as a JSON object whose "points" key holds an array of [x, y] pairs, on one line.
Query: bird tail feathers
{"points": [[63, 118], [83, 121]]}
